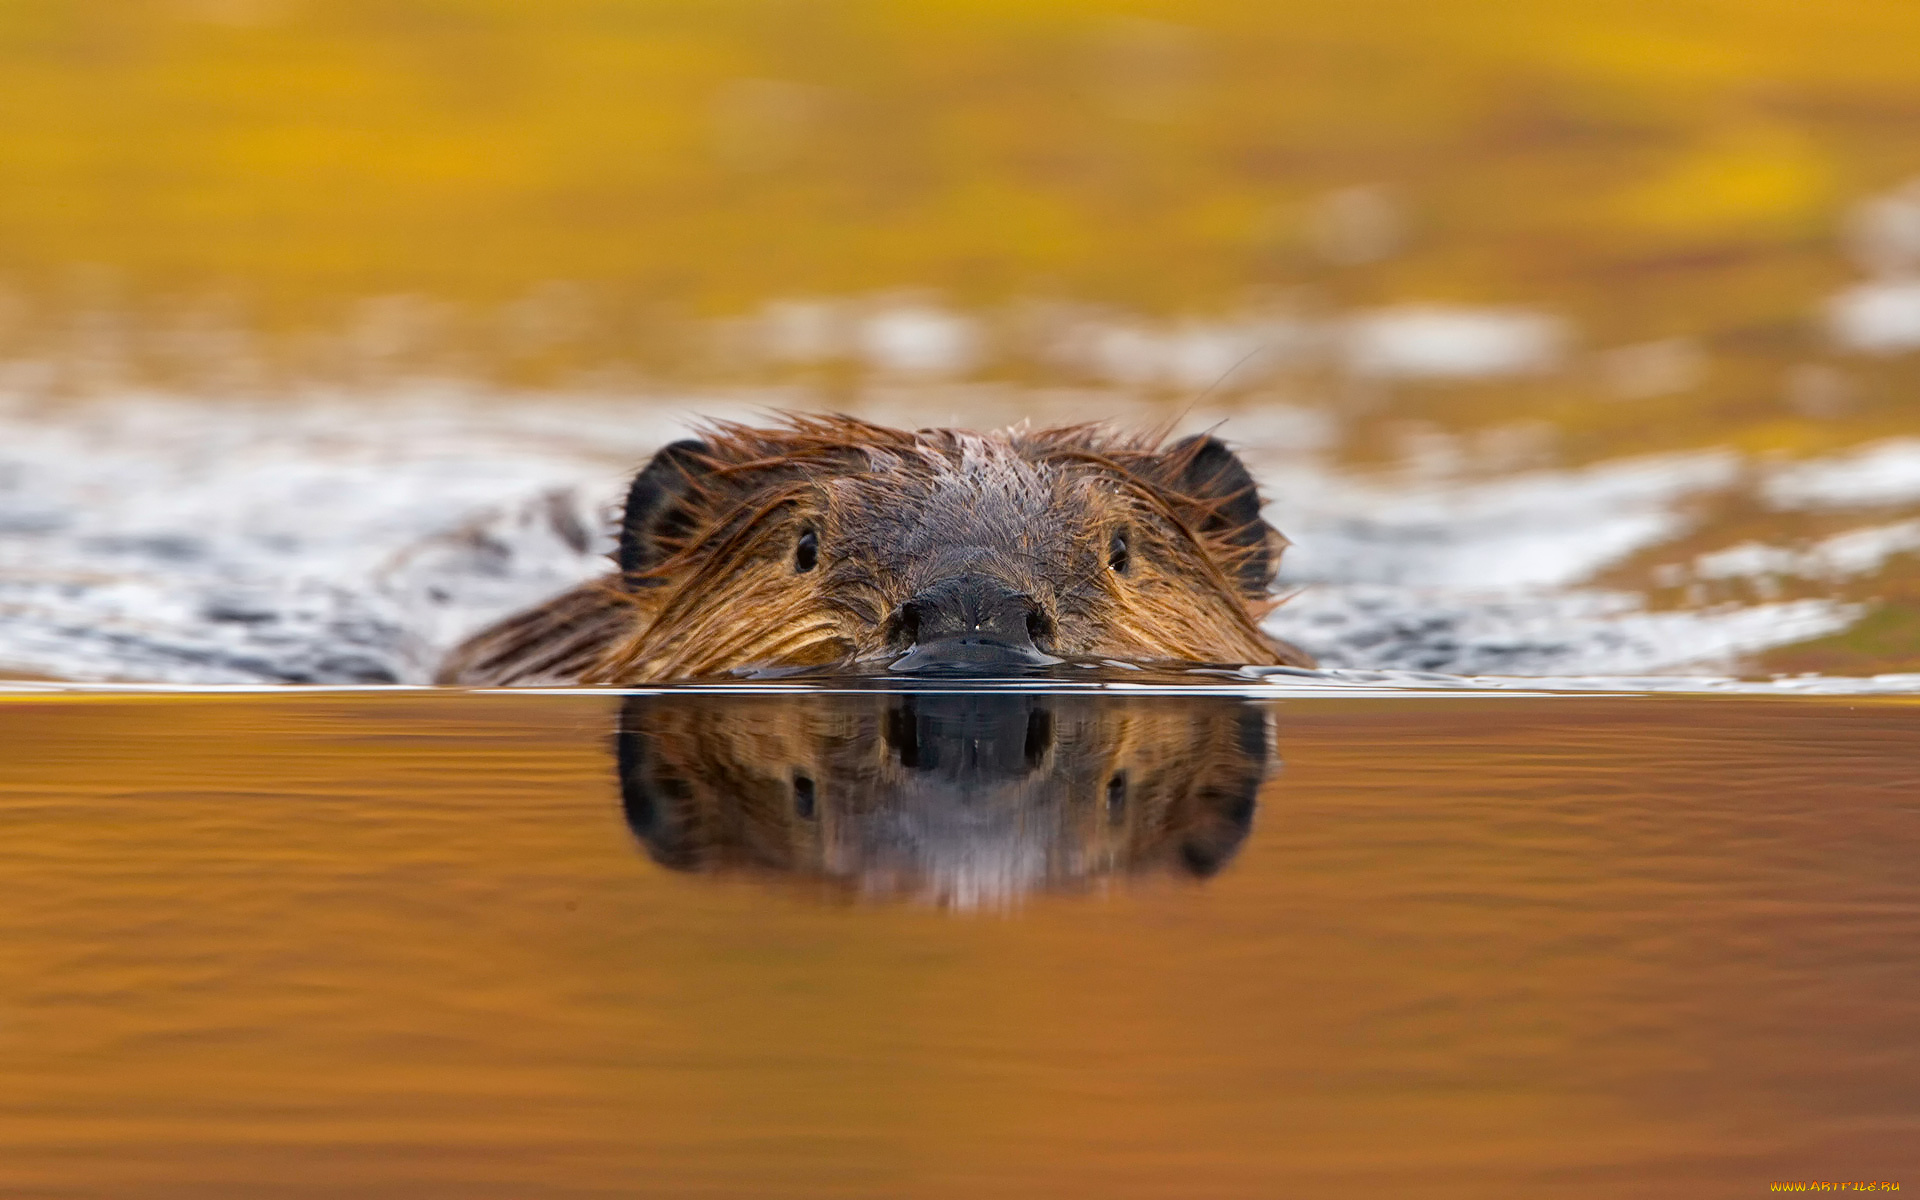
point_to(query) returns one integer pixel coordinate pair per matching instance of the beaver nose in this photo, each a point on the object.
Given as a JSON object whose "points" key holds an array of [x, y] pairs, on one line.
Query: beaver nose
{"points": [[970, 736], [971, 623]]}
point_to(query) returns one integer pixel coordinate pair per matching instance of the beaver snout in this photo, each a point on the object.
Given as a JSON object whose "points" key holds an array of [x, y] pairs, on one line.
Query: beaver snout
{"points": [[970, 623]]}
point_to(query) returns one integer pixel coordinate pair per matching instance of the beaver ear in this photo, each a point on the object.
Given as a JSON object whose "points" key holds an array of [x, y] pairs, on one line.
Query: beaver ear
{"points": [[656, 802], [1228, 793], [1201, 467], [656, 505]]}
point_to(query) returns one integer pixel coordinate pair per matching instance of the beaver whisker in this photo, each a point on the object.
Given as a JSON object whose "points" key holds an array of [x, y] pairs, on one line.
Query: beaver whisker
{"points": [[719, 633], [796, 649], [695, 658]]}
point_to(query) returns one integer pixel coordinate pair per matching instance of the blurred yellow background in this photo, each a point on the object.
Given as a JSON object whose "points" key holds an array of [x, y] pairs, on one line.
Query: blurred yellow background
{"points": [[530, 191]]}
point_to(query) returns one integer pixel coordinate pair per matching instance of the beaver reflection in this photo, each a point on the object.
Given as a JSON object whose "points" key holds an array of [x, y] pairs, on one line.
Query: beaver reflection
{"points": [[963, 797]]}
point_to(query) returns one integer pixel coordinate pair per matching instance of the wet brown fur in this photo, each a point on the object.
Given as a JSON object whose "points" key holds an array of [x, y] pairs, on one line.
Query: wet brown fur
{"points": [[892, 509]]}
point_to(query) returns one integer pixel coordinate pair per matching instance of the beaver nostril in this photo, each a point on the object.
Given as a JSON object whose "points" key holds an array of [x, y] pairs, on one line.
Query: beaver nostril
{"points": [[903, 733], [1039, 736], [907, 624], [970, 622]]}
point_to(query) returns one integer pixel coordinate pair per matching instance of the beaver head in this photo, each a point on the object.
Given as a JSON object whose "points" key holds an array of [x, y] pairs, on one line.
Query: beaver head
{"points": [[962, 797], [828, 540]]}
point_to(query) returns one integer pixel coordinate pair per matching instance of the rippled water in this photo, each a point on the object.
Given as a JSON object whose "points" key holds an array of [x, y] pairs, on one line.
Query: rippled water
{"points": [[442, 944], [340, 539], [1574, 348]]}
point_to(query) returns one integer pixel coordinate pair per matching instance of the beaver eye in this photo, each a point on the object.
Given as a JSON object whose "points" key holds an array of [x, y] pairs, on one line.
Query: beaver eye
{"points": [[807, 552], [803, 797], [1118, 556]]}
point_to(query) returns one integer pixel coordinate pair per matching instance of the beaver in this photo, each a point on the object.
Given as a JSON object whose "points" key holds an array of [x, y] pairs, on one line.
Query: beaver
{"points": [[829, 541], [960, 797]]}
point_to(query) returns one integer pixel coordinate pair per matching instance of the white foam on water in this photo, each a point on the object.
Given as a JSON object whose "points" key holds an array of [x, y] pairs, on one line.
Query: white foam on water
{"points": [[154, 538], [1842, 556], [1885, 472], [1537, 529], [334, 539], [1528, 633]]}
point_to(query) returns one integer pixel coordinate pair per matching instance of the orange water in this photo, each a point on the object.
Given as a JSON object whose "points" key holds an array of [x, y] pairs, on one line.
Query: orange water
{"points": [[406, 945]]}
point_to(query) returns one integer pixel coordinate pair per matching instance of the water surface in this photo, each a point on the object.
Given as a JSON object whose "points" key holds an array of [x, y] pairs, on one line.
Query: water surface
{"points": [[409, 944]]}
